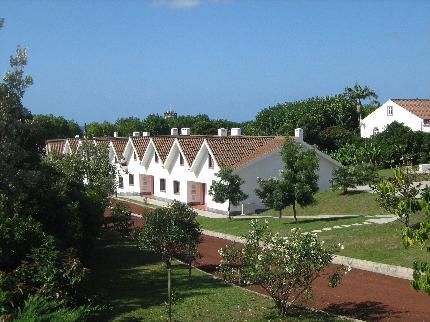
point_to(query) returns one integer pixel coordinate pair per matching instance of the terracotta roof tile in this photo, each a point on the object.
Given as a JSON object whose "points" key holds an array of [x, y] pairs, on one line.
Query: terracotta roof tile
{"points": [[73, 143], [55, 146], [103, 141], [140, 143], [190, 146], [232, 152], [163, 144], [119, 145], [419, 107]]}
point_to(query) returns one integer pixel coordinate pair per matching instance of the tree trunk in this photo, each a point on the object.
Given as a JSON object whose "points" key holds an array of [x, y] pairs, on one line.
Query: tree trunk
{"points": [[189, 268], [280, 214], [169, 290], [294, 211], [229, 216]]}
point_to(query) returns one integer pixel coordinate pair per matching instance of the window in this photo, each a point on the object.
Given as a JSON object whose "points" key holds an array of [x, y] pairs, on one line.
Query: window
{"points": [[131, 179], [163, 185], [176, 187], [375, 131], [135, 156], [210, 162], [120, 182], [426, 122], [156, 157], [181, 159], [389, 110]]}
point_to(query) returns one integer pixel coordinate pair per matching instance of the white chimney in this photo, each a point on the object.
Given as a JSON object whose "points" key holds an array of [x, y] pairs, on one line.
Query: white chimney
{"points": [[146, 133], [222, 132], [185, 131], [136, 133], [115, 134], [298, 134], [174, 131], [236, 131], [77, 136]]}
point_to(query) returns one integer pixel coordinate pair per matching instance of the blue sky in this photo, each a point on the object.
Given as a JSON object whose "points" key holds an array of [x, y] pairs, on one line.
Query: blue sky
{"points": [[100, 60]]}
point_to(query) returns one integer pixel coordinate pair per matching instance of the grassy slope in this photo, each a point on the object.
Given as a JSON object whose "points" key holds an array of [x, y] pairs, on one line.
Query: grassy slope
{"points": [[133, 285], [333, 203], [379, 243]]}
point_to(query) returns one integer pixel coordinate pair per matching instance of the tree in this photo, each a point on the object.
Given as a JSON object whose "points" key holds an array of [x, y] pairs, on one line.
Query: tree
{"points": [[126, 126], [227, 188], [399, 195], [284, 267], [314, 115], [299, 174], [55, 127], [272, 192], [360, 94], [155, 124], [104, 129], [170, 232], [353, 176]]}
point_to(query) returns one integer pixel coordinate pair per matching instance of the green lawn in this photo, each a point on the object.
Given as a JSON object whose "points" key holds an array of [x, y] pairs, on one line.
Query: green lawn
{"points": [[334, 203], [239, 226], [132, 286], [376, 242]]}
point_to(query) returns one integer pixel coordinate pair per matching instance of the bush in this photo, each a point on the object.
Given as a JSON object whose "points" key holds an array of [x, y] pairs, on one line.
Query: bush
{"points": [[45, 271], [121, 219], [284, 266], [353, 176], [37, 308]]}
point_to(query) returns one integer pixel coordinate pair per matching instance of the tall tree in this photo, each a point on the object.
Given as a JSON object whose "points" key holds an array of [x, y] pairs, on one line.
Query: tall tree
{"points": [[273, 193], [299, 174], [227, 188], [170, 232], [55, 127], [359, 94]]}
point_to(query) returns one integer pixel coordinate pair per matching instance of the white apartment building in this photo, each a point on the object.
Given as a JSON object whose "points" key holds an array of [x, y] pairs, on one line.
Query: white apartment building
{"points": [[414, 113], [182, 166]]}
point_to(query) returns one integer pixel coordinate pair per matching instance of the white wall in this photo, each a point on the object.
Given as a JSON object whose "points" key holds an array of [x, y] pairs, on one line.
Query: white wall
{"points": [[379, 119], [266, 166]]}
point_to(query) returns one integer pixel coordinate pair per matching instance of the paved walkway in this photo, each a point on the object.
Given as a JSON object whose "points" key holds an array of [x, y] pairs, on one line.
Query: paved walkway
{"points": [[363, 295], [366, 188]]}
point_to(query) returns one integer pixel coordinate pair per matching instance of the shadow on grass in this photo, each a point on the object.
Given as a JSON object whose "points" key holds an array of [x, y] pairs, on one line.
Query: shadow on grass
{"points": [[125, 278], [369, 310]]}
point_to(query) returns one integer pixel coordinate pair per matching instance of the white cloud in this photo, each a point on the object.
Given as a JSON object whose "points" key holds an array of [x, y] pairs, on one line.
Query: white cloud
{"points": [[178, 3], [184, 3]]}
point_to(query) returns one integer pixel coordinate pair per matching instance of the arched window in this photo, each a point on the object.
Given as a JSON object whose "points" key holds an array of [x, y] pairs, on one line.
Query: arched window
{"points": [[375, 131]]}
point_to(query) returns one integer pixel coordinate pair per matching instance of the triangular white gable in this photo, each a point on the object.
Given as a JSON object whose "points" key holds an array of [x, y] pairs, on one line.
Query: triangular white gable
{"points": [[129, 150], [171, 157], [197, 164], [149, 153]]}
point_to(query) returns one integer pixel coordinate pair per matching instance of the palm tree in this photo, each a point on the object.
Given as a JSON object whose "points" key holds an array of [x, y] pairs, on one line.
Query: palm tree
{"points": [[359, 93]]}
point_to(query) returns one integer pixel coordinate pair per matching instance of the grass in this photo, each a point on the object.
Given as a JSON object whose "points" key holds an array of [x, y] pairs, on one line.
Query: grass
{"points": [[331, 202], [238, 226], [376, 242], [132, 284]]}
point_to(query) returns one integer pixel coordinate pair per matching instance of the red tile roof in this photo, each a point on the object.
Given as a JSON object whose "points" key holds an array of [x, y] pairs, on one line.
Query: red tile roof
{"points": [[163, 144], [419, 107], [140, 144], [119, 146], [73, 143], [233, 152], [190, 146], [55, 146]]}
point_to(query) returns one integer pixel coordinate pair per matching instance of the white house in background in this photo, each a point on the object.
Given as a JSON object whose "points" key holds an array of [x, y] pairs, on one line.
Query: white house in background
{"points": [[414, 113], [183, 166]]}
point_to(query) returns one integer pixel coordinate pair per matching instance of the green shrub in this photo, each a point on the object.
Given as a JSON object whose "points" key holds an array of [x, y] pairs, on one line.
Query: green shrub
{"points": [[37, 308], [121, 219], [353, 176], [46, 271]]}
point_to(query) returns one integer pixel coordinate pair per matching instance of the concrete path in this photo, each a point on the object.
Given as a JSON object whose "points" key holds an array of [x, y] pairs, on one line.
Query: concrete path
{"points": [[368, 189]]}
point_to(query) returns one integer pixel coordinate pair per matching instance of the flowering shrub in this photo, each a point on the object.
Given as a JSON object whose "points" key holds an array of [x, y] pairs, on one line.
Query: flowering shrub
{"points": [[284, 266]]}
